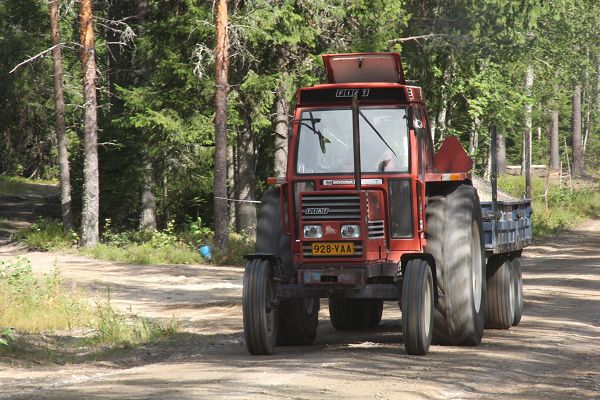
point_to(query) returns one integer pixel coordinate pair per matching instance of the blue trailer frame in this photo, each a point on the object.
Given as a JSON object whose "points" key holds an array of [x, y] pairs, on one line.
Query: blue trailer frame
{"points": [[507, 226]]}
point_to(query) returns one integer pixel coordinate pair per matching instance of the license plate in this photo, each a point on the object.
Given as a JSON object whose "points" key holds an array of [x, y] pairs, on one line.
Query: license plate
{"points": [[333, 249]]}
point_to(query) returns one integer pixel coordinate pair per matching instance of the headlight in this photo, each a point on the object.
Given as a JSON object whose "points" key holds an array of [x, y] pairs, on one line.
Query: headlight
{"points": [[313, 231], [350, 231]]}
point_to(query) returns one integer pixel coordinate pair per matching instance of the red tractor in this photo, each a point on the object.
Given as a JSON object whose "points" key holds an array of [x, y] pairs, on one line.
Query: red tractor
{"points": [[367, 213]]}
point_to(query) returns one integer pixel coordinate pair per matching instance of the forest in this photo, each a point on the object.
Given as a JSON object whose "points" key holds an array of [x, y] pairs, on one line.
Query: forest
{"points": [[145, 73]]}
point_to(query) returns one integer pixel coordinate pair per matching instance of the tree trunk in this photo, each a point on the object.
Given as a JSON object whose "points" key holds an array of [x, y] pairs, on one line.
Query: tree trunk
{"points": [[282, 117], [587, 105], [61, 137], [232, 182], [220, 183], [500, 152], [148, 199], [91, 201], [148, 212], [577, 154], [527, 132], [441, 119], [246, 184], [474, 136], [554, 151]]}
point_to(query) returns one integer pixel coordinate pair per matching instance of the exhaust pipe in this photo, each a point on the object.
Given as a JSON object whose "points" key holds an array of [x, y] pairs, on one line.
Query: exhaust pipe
{"points": [[356, 141]]}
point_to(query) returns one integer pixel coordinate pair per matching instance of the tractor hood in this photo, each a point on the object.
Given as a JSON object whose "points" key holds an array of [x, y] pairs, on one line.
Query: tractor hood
{"points": [[364, 67]]}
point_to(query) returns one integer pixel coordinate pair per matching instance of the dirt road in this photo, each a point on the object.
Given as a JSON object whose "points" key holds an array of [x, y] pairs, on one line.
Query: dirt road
{"points": [[553, 354]]}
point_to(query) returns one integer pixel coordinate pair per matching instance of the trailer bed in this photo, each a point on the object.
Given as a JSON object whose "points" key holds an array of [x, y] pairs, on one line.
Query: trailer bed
{"points": [[508, 228]]}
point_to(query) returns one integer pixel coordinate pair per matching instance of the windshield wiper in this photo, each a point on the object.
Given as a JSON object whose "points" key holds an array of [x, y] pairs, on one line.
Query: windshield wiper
{"points": [[376, 131], [313, 127]]}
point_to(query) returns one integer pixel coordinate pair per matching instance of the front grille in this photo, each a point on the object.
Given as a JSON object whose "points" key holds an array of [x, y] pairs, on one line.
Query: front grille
{"points": [[307, 250], [376, 229], [330, 207]]}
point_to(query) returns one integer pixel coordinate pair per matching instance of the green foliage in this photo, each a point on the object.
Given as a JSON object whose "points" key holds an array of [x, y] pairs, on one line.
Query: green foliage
{"points": [[48, 235], [565, 208], [239, 246], [16, 185], [146, 253], [156, 87], [31, 303], [7, 336]]}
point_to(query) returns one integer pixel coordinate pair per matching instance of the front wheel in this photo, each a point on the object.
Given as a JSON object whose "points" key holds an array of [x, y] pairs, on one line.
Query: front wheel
{"points": [[417, 307], [259, 311]]}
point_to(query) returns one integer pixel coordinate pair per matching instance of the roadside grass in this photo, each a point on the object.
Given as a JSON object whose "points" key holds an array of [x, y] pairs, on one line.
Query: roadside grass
{"points": [[33, 307], [15, 185], [565, 207], [47, 235], [145, 253], [111, 328], [34, 304], [4, 224]]}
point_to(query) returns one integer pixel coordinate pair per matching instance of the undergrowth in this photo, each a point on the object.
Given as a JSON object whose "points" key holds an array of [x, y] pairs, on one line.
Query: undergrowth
{"points": [[42, 304], [565, 207], [14, 184], [48, 235], [110, 327], [31, 303]]}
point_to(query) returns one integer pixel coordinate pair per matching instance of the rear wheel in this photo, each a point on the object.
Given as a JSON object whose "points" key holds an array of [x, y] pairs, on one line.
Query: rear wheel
{"points": [[455, 240], [354, 314], [518, 291], [376, 312], [298, 320], [259, 310], [417, 307], [500, 302]]}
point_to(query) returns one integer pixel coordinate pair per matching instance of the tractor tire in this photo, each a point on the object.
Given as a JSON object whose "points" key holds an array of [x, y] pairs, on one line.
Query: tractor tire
{"points": [[354, 314], [259, 311], [455, 240], [518, 291], [298, 321], [417, 307], [376, 312], [500, 302]]}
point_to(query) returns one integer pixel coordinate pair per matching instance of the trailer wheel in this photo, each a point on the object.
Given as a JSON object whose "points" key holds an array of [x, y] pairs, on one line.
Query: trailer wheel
{"points": [[298, 321], [259, 309], [417, 307], [352, 314], [500, 302], [518, 291], [455, 240]]}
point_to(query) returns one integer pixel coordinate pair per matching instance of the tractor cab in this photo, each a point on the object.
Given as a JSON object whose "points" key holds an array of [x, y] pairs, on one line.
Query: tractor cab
{"points": [[359, 152]]}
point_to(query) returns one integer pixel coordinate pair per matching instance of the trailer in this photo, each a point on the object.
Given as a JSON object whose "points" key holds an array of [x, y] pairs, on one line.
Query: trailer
{"points": [[368, 212]]}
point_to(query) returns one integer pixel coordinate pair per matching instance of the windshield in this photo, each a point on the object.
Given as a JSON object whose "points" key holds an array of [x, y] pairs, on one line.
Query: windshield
{"points": [[325, 142]]}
